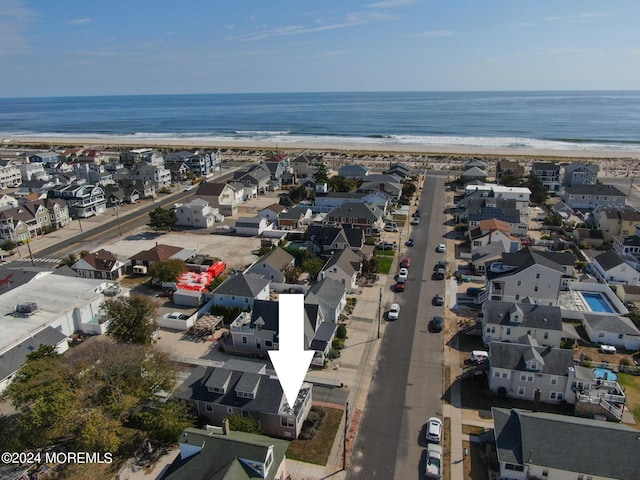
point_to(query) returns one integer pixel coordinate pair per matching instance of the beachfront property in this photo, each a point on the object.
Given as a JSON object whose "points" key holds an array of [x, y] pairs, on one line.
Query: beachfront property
{"points": [[588, 197], [509, 322], [399, 169], [545, 445], [580, 174], [200, 164], [615, 221], [219, 452], [246, 389], [474, 173], [508, 167], [548, 173], [357, 172]]}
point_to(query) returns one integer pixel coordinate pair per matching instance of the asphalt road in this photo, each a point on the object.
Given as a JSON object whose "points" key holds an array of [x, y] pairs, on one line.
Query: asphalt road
{"points": [[407, 385]]}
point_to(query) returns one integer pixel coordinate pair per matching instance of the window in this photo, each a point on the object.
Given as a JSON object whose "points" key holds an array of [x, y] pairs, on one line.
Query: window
{"points": [[601, 335], [496, 374], [517, 296], [534, 365], [528, 332], [508, 331], [535, 289], [554, 380], [268, 343], [537, 276], [546, 335], [230, 410], [519, 283], [287, 422], [208, 407], [621, 336], [244, 339], [505, 374]]}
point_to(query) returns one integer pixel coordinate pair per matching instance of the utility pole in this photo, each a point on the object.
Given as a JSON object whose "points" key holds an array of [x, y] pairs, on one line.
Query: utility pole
{"points": [[379, 315], [30, 254], [344, 443], [116, 208]]}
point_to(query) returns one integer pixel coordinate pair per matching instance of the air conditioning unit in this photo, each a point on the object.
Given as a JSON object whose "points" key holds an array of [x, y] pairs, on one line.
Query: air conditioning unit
{"points": [[28, 307]]}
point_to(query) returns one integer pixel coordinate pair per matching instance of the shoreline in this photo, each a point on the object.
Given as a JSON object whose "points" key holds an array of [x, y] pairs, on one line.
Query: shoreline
{"points": [[311, 147]]}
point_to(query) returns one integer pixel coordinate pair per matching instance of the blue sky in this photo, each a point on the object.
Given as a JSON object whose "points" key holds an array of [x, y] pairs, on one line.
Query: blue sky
{"points": [[65, 47]]}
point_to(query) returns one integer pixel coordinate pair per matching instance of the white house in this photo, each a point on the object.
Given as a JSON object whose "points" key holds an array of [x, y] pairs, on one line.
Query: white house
{"points": [[343, 267], [273, 265], [588, 197], [197, 214], [240, 290], [251, 226], [613, 330], [610, 267]]}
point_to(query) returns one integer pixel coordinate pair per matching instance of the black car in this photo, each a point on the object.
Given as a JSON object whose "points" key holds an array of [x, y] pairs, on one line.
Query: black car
{"points": [[437, 323], [473, 291]]}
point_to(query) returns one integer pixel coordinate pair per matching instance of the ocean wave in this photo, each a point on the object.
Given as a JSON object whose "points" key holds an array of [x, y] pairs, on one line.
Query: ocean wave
{"points": [[284, 137]]}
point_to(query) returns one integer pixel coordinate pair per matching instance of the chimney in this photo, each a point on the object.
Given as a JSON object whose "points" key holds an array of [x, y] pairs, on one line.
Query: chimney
{"points": [[225, 426]]}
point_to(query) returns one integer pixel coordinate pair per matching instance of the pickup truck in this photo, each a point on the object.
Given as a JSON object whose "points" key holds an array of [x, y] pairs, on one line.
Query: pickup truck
{"points": [[434, 461]]}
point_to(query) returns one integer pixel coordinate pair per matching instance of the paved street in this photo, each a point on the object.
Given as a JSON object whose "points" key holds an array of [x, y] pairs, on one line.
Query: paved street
{"points": [[407, 383]]}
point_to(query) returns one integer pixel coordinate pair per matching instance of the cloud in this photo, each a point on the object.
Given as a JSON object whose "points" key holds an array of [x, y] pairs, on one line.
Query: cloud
{"points": [[79, 21], [433, 34], [391, 3], [586, 17], [15, 22]]}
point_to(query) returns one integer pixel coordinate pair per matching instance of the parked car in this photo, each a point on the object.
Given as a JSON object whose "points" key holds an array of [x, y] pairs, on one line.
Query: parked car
{"points": [[434, 430], [188, 188], [406, 262], [438, 299], [440, 273], [403, 275], [394, 311], [474, 292], [437, 323], [417, 213], [400, 286], [434, 461], [479, 356], [608, 349], [391, 227], [441, 248], [415, 221], [440, 264], [410, 242], [386, 246]]}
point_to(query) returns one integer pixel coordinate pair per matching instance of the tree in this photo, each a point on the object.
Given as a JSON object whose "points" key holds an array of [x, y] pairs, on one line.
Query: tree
{"points": [[131, 319], [539, 192], [162, 219], [285, 200], [167, 270], [312, 266], [245, 424], [8, 246], [511, 180], [166, 422], [408, 189], [342, 184], [216, 282], [298, 194], [321, 175], [69, 260]]}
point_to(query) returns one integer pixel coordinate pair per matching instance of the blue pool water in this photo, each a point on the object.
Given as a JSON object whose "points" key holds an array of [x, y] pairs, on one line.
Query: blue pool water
{"points": [[605, 374], [597, 302]]}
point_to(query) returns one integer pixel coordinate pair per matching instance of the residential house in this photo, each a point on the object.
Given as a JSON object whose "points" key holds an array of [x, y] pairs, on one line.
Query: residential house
{"points": [[344, 267], [144, 260], [241, 290], [254, 333], [7, 201], [588, 197], [322, 239], [32, 171], [325, 201], [153, 173], [510, 168], [217, 393], [32, 218], [392, 189], [508, 321], [44, 157], [251, 226], [294, 218], [34, 186], [399, 169], [593, 238], [505, 210], [580, 174], [490, 231], [529, 274], [521, 195], [360, 215], [180, 171], [278, 165], [627, 246], [218, 452], [613, 330], [10, 175], [271, 212], [118, 195], [548, 173], [273, 265], [475, 163], [486, 255], [523, 370], [197, 214], [83, 200], [223, 196], [354, 171], [101, 264], [474, 173], [303, 166], [331, 295], [256, 176], [200, 164], [616, 221], [546, 445], [610, 267]]}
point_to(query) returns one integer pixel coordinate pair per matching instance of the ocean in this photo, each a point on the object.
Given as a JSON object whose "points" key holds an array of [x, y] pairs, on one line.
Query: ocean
{"points": [[581, 120]]}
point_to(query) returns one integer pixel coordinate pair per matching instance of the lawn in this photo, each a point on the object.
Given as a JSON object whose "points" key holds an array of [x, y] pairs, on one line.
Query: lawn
{"points": [[317, 450], [384, 264], [631, 385]]}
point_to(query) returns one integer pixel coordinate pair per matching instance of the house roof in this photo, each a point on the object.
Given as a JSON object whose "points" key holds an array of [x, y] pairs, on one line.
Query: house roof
{"points": [[222, 456], [102, 261], [275, 207], [210, 189], [609, 259], [592, 190], [323, 336], [252, 222], [294, 213], [326, 290], [158, 253], [475, 172], [15, 357], [242, 285], [545, 166], [610, 323], [586, 233], [356, 210], [347, 260], [513, 356], [494, 224], [568, 443], [526, 257], [484, 213], [277, 258], [535, 316]]}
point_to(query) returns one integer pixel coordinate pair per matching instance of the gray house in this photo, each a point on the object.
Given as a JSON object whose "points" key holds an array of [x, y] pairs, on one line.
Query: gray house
{"points": [[546, 445], [273, 265], [241, 290], [580, 174], [217, 393], [588, 197], [354, 171]]}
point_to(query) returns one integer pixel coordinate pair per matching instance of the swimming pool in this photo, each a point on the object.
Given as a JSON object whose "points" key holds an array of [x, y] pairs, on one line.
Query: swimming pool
{"points": [[605, 374], [597, 302]]}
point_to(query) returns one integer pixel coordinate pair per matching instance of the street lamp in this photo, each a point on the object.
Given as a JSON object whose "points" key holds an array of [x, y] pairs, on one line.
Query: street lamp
{"points": [[379, 315], [116, 208]]}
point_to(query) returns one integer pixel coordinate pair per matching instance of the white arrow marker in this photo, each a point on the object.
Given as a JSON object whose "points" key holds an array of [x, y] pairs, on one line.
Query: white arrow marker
{"points": [[291, 361]]}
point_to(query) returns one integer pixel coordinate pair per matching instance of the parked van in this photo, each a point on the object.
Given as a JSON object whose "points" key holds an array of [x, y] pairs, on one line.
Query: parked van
{"points": [[479, 356]]}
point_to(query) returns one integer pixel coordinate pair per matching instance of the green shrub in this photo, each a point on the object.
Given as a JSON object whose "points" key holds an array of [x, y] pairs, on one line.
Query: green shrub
{"points": [[341, 332], [333, 354], [337, 344]]}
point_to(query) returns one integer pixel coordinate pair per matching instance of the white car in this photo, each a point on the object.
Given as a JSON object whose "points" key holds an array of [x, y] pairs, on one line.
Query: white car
{"points": [[441, 248], [434, 430], [434, 461], [188, 188], [394, 311]]}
